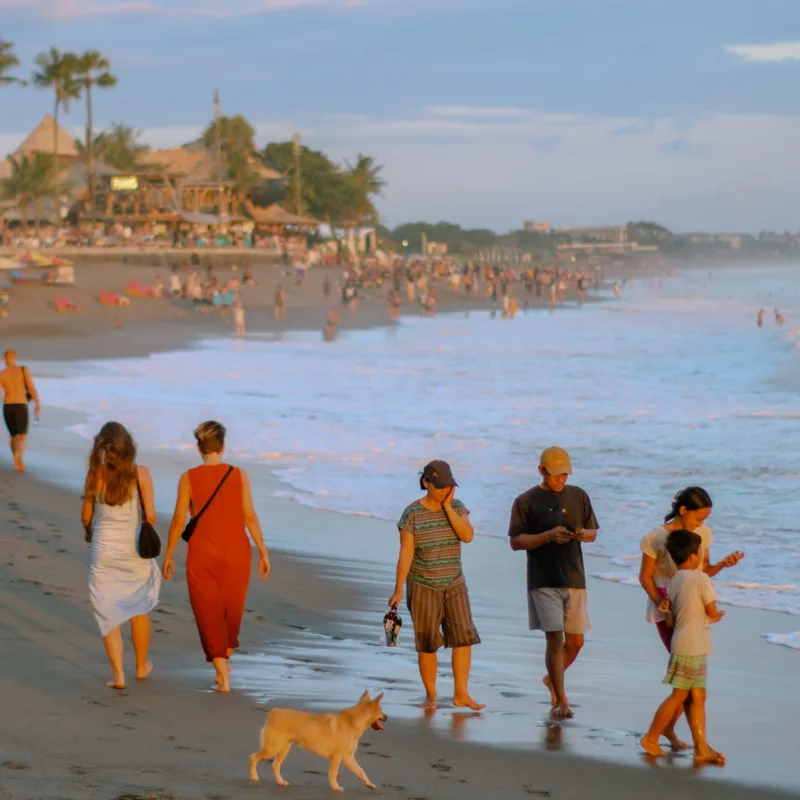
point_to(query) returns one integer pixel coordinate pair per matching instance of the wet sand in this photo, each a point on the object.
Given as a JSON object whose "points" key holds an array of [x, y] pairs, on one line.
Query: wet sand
{"points": [[65, 735]]}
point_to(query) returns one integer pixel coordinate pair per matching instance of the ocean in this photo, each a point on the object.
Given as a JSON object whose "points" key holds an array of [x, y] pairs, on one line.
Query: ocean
{"points": [[672, 384]]}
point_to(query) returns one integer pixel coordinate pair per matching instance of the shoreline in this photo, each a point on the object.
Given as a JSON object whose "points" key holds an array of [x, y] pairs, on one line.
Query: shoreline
{"points": [[309, 640], [160, 732]]}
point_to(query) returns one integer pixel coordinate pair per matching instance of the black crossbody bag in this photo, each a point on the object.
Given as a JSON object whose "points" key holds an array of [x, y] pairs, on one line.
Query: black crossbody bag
{"points": [[149, 540], [188, 531]]}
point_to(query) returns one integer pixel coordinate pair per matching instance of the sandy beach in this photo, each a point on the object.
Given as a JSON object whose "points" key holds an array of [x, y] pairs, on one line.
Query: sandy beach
{"points": [[309, 638], [64, 735]]}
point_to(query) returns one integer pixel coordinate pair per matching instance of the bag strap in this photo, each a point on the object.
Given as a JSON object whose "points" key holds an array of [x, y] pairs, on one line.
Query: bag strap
{"points": [[141, 497], [196, 519], [25, 379]]}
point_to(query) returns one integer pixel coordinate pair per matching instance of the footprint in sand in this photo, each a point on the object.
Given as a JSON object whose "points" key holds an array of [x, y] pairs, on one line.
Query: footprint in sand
{"points": [[441, 765], [15, 765], [167, 738], [393, 787], [536, 792], [96, 703]]}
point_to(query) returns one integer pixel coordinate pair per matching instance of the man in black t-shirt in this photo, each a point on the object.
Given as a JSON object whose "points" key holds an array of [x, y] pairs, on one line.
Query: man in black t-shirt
{"points": [[549, 522]]}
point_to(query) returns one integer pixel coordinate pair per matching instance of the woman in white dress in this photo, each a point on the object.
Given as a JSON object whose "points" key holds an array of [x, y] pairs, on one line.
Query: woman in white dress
{"points": [[122, 585]]}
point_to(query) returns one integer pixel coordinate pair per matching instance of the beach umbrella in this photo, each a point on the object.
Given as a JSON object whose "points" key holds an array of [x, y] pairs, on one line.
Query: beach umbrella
{"points": [[26, 258], [55, 261]]}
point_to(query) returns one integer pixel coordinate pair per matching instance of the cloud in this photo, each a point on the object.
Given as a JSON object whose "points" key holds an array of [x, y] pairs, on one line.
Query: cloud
{"points": [[681, 145], [67, 10], [633, 129], [777, 51], [732, 172]]}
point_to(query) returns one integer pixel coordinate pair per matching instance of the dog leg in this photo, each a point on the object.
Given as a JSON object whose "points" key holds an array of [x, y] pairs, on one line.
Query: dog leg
{"points": [[254, 759], [276, 765], [354, 767], [333, 774]]}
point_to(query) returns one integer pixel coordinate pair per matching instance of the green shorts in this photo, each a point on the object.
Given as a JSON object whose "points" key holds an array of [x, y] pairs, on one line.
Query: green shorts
{"points": [[687, 672]]}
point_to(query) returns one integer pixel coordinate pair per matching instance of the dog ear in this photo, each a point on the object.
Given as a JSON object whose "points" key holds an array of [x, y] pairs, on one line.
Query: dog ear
{"points": [[378, 698], [364, 697]]}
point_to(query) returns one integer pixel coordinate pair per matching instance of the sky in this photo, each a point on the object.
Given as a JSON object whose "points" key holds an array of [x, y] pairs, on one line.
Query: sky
{"points": [[482, 112]]}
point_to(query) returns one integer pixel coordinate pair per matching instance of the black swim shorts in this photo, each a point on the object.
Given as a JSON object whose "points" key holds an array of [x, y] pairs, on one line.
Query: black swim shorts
{"points": [[16, 417]]}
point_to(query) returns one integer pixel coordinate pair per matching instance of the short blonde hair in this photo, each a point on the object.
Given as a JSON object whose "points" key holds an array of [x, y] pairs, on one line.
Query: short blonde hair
{"points": [[210, 437]]}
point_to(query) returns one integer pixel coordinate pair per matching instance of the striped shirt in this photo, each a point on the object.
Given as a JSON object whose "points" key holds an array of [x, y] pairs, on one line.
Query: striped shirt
{"points": [[437, 549]]}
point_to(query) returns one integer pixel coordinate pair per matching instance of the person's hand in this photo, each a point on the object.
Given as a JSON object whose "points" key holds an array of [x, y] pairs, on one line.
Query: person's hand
{"points": [[732, 559], [87, 535], [396, 598], [577, 535], [448, 500], [263, 566], [720, 615], [37, 409], [665, 606], [168, 570], [559, 535]]}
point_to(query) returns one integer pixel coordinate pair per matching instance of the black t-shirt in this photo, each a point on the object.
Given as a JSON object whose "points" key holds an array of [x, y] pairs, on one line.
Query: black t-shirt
{"points": [[553, 566]]}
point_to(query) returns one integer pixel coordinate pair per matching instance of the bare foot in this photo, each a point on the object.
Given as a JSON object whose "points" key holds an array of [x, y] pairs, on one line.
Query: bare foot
{"points": [[553, 698], [675, 742], [222, 684], [430, 704], [651, 746], [561, 711], [465, 701], [117, 683], [143, 672], [709, 757]]}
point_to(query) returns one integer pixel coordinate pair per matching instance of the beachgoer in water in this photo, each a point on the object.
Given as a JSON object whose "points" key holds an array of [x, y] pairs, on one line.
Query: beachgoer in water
{"points": [[779, 318], [122, 585], [691, 606], [18, 390], [760, 319], [219, 553], [432, 530], [550, 522], [691, 507], [238, 319], [280, 303]]}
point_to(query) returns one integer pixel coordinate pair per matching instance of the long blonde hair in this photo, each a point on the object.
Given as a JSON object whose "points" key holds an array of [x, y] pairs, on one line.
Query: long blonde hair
{"points": [[112, 466]]}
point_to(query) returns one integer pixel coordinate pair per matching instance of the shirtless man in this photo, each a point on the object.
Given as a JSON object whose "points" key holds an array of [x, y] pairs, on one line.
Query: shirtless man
{"points": [[18, 389]]}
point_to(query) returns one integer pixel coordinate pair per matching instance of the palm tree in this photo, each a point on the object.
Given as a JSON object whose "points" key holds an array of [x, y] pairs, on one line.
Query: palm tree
{"points": [[56, 73], [92, 69], [364, 179], [118, 147], [30, 181], [8, 61]]}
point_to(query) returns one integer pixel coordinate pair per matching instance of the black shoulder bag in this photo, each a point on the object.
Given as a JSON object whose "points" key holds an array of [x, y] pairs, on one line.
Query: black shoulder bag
{"points": [[149, 541], [188, 531]]}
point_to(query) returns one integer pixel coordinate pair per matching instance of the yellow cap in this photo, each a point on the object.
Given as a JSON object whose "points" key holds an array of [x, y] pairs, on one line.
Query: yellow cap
{"points": [[556, 461]]}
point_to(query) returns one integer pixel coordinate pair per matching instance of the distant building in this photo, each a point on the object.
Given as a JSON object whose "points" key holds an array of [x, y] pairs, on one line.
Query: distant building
{"points": [[536, 227], [734, 240], [617, 234]]}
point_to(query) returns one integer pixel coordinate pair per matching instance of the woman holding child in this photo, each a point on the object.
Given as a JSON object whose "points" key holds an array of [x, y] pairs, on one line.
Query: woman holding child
{"points": [[691, 507]]}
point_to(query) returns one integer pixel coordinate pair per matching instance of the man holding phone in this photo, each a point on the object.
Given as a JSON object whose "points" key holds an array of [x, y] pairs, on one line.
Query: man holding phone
{"points": [[550, 522]]}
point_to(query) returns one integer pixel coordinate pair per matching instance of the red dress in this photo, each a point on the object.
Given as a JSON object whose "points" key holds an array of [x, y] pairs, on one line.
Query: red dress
{"points": [[219, 559]]}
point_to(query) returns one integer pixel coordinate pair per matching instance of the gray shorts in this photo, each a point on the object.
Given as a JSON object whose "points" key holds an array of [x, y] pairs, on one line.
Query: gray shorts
{"points": [[558, 610]]}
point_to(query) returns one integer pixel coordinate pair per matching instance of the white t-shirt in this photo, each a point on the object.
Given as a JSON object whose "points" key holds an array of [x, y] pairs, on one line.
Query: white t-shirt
{"points": [[690, 592], [655, 546]]}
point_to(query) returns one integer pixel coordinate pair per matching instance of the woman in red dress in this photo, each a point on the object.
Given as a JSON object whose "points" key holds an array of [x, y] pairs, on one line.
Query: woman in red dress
{"points": [[218, 562]]}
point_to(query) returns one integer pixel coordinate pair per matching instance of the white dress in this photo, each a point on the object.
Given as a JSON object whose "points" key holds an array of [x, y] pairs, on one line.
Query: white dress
{"points": [[122, 584]]}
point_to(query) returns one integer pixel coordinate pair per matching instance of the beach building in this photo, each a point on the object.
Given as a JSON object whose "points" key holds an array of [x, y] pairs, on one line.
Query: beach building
{"points": [[170, 186]]}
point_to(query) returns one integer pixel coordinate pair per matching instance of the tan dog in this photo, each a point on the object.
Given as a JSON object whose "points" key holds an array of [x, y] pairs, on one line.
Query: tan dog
{"points": [[332, 736]]}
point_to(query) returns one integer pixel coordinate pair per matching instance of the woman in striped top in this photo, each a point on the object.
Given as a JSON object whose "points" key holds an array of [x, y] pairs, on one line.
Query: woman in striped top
{"points": [[431, 532]]}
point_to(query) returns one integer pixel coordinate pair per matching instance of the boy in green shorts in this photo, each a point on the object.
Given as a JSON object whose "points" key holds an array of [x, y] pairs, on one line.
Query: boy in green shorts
{"points": [[691, 606]]}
